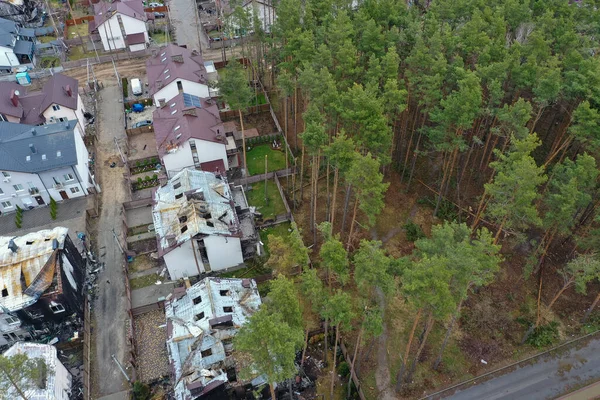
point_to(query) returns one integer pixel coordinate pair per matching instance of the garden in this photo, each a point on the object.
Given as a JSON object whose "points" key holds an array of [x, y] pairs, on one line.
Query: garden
{"points": [[146, 165], [261, 146], [272, 207], [145, 183]]}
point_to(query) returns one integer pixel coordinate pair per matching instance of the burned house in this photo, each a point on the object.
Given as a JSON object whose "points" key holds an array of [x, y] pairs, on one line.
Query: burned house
{"points": [[202, 224], [41, 287], [201, 323]]}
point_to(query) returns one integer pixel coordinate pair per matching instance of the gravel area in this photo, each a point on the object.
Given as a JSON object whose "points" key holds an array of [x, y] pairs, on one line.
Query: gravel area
{"points": [[134, 117], [152, 358]]}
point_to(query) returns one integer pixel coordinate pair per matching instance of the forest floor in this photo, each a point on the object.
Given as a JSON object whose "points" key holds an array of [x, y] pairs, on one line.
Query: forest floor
{"points": [[493, 320]]}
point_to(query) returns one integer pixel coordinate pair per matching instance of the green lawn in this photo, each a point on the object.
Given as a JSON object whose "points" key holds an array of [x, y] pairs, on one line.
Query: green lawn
{"points": [[255, 159], [46, 39], [277, 230], [143, 281], [159, 37], [256, 198]]}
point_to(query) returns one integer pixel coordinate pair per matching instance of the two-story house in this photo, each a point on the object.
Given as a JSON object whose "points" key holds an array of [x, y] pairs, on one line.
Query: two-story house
{"points": [[202, 224], [40, 162], [54, 382], [16, 45], [121, 24], [58, 101], [41, 286], [189, 133], [173, 70]]}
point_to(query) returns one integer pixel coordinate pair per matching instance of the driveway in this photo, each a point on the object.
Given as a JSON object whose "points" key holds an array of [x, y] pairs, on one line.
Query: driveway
{"points": [[109, 309], [548, 378], [182, 14]]}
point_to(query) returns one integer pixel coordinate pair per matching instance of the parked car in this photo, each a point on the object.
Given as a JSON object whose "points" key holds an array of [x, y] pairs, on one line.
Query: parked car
{"points": [[159, 15], [155, 4], [136, 87], [142, 123]]}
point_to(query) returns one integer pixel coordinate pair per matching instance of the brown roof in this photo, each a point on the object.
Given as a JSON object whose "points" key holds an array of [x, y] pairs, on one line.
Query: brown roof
{"points": [[104, 10], [177, 122], [174, 62], [55, 91], [250, 133], [6, 105], [135, 38], [215, 166]]}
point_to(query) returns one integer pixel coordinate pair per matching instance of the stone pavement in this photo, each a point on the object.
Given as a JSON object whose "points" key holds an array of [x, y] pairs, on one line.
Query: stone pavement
{"points": [[151, 337]]}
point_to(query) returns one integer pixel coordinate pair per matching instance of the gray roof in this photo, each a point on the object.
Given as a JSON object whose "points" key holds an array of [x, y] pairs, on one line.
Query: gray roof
{"points": [[8, 30], [47, 141], [27, 32], [23, 47]]}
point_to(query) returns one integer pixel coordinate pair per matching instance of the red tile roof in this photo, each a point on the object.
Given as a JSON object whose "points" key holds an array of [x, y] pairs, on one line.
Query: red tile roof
{"points": [[174, 62], [176, 119], [104, 10], [135, 38], [215, 166]]}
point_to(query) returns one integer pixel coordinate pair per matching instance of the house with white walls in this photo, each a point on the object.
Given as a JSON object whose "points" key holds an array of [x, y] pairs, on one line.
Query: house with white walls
{"points": [[42, 162], [202, 224], [172, 70], [55, 381], [121, 24], [58, 101], [41, 287], [16, 45], [189, 133]]}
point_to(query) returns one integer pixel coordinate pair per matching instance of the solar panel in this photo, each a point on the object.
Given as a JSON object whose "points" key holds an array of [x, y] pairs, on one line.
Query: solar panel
{"points": [[191, 100]]}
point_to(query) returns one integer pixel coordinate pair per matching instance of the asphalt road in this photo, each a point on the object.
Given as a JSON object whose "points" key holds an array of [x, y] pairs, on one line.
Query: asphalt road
{"points": [[183, 18], [550, 377]]}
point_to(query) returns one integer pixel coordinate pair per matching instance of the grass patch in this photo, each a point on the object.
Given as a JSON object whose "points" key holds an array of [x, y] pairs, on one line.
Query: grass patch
{"points": [[46, 39], [255, 159], [76, 31], [159, 37], [273, 206], [142, 263], [260, 99], [48, 62], [77, 53], [277, 230], [143, 281]]}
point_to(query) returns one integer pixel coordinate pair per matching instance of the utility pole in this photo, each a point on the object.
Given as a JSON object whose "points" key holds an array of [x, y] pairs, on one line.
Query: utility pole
{"points": [[118, 81], [119, 149], [197, 26], [117, 240], [266, 169], [121, 368]]}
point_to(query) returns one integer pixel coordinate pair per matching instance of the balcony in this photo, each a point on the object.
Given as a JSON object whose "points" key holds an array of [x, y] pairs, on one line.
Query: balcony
{"points": [[34, 190], [58, 186]]}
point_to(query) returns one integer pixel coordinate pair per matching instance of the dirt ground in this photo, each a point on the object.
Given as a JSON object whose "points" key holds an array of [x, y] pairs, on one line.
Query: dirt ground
{"points": [[105, 72], [141, 146], [151, 337], [263, 122]]}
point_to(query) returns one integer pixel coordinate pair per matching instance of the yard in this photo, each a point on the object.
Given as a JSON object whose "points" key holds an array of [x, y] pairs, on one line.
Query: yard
{"points": [[159, 37], [255, 159], [79, 30], [274, 205], [277, 230], [143, 281]]}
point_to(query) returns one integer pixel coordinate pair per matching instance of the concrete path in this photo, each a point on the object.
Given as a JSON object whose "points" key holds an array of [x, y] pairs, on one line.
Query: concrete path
{"points": [[187, 30], [548, 378], [109, 309]]}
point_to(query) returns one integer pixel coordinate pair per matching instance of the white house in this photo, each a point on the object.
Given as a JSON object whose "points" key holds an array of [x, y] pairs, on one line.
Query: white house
{"points": [[172, 70], [189, 133], [201, 323], [121, 24], [264, 10], [202, 224], [58, 101], [39, 162], [16, 45], [55, 381]]}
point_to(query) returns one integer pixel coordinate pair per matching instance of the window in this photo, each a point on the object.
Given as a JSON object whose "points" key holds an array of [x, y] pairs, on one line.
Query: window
{"points": [[223, 292], [56, 107], [12, 320], [6, 204], [18, 187], [6, 174], [5, 292], [56, 182], [178, 196], [177, 185], [30, 185], [57, 308], [182, 219], [34, 314], [206, 353], [75, 189], [68, 177], [184, 229], [227, 309], [199, 316], [63, 119], [197, 300], [59, 154], [179, 85]]}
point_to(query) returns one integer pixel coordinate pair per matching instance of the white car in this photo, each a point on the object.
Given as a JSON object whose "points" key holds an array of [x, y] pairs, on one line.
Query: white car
{"points": [[155, 5]]}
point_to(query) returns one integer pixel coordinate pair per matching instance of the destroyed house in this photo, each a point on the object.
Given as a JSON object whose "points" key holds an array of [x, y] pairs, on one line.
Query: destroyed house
{"points": [[201, 323], [202, 224], [41, 286]]}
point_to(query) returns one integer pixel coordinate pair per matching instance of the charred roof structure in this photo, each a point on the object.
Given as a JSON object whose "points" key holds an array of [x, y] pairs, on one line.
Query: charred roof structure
{"points": [[201, 323], [41, 286]]}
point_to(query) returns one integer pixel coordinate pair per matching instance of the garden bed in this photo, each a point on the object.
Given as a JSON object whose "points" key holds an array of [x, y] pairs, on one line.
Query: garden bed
{"points": [[146, 165], [148, 182]]}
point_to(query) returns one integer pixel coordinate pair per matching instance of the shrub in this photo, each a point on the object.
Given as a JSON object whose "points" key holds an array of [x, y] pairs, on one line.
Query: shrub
{"points": [[154, 177], [125, 84], [413, 231], [141, 391], [53, 208], [138, 163], [147, 178], [344, 369], [19, 217], [544, 335], [139, 180]]}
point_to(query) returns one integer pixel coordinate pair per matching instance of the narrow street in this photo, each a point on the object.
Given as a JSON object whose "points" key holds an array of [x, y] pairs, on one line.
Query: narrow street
{"points": [[110, 318], [188, 32]]}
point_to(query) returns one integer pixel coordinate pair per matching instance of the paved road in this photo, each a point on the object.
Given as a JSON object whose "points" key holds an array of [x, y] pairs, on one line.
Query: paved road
{"points": [[183, 18], [109, 309], [548, 378]]}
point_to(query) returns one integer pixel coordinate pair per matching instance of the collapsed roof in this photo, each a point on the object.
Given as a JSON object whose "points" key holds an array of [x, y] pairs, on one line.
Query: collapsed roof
{"points": [[200, 325], [192, 203], [28, 266]]}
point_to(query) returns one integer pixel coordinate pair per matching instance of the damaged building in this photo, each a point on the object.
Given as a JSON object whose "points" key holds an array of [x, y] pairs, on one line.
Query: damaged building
{"points": [[41, 287], [54, 382], [202, 224], [201, 323]]}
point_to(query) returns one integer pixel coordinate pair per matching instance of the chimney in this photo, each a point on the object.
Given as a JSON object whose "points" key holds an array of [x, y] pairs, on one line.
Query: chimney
{"points": [[190, 111], [177, 58], [69, 90], [32, 148], [161, 103], [33, 132], [14, 97], [13, 246]]}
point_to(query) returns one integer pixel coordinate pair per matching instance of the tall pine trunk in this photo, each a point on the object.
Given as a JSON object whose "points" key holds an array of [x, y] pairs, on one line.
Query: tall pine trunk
{"points": [[413, 367], [589, 310], [335, 187], [305, 346], [438, 360], [346, 202], [400, 376], [337, 336], [353, 361], [352, 224]]}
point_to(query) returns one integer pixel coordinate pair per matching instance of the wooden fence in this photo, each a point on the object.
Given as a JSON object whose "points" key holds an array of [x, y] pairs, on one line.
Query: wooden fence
{"points": [[259, 178], [106, 58], [86, 351], [79, 21], [348, 358], [159, 305], [138, 131], [250, 110]]}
